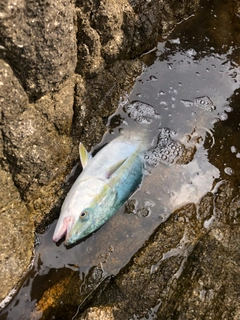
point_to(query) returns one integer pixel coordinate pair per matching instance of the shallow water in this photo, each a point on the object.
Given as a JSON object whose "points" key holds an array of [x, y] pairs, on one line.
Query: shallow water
{"points": [[191, 80]]}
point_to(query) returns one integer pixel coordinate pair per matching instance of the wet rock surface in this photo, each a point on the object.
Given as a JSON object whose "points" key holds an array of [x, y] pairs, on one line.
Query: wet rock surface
{"points": [[199, 266], [60, 81], [17, 235], [63, 68]]}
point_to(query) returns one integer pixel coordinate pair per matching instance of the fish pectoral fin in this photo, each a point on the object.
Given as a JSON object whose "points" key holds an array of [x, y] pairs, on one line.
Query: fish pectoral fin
{"points": [[115, 167], [85, 157]]}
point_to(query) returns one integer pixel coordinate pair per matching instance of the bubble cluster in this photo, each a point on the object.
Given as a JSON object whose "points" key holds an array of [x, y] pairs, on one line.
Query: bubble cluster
{"points": [[187, 103], [201, 102], [167, 150], [204, 103], [141, 112]]}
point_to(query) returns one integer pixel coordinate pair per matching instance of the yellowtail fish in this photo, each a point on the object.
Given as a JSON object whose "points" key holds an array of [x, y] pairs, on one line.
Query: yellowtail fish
{"points": [[106, 182]]}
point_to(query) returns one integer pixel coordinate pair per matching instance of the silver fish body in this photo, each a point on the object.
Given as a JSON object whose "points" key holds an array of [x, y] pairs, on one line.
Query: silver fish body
{"points": [[106, 182]]}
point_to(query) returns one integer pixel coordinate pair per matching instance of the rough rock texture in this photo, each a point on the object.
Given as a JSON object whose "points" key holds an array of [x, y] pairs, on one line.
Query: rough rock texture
{"points": [[39, 40], [16, 232], [101, 314], [60, 79], [199, 266], [32, 156], [34, 149], [110, 31], [99, 96]]}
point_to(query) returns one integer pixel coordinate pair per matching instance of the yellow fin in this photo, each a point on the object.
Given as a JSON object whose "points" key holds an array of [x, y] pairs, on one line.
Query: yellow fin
{"points": [[85, 157]]}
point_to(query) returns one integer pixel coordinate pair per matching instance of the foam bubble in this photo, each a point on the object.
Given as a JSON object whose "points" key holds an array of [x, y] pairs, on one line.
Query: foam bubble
{"points": [[161, 93], [191, 52], [223, 116], [204, 103], [167, 150], [187, 103], [228, 108], [229, 171], [141, 112], [201, 102], [233, 149], [175, 41]]}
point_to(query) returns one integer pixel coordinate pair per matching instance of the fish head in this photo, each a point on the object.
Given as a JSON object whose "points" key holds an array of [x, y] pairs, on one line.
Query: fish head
{"points": [[92, 217], [84, 225], [86, 207]]}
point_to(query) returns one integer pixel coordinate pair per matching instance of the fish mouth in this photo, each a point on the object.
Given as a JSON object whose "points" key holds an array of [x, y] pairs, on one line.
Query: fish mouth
{"points": [[65, 228], [80, 230], [69, 242]]}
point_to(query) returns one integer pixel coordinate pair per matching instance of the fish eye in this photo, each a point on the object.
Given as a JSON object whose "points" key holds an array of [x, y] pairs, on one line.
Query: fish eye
{"points": [[83, 214]]}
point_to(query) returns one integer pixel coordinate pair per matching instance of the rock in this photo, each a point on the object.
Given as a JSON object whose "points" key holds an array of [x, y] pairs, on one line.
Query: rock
{"points": [[101, 99], [142, 284], [16, 222], [33, 165], [171, 279], [101, 314], [63, 68], [38, 41], [173, 12], [52, 298], [16, 236], [111, 30], [210, 279], [34, 145]]}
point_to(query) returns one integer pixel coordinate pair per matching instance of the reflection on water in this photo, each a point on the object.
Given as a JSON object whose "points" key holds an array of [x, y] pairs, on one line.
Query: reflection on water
{"points": [[192, 82]]}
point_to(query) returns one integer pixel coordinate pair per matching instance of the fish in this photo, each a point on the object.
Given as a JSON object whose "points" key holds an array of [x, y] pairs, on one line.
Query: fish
{"points": [[105, 183]]}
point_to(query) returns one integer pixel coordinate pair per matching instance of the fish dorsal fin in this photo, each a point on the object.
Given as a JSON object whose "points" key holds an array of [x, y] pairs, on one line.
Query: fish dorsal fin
{"points": [[85, 157], [114, 168]]}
